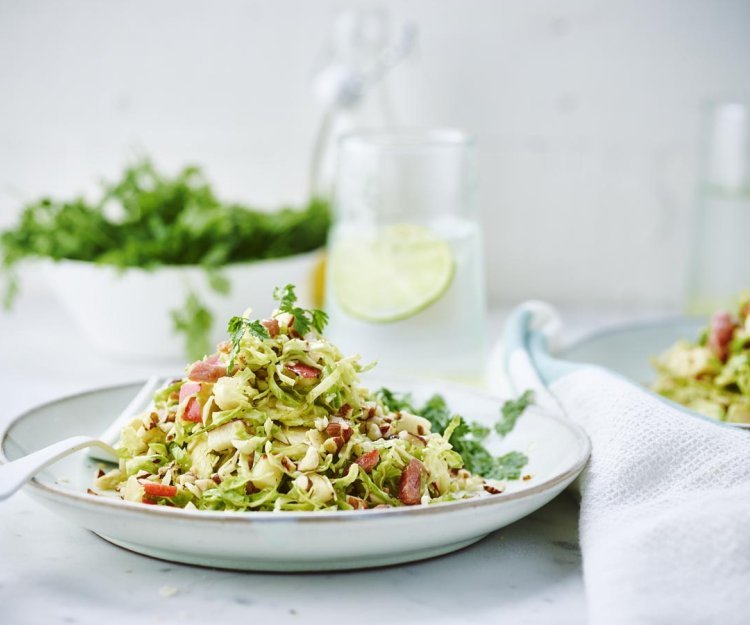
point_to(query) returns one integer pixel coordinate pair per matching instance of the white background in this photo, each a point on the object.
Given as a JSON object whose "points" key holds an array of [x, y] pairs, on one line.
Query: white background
{"points": [[586, 113], [587, 119]]}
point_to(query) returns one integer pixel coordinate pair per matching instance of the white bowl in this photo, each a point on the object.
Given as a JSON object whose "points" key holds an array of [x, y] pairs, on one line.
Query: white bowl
{"points": [[297, 541], [128, 312]]}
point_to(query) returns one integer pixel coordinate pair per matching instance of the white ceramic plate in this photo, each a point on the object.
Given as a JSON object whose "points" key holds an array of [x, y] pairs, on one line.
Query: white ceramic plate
{"points": [[628, 349], [296, 541]]}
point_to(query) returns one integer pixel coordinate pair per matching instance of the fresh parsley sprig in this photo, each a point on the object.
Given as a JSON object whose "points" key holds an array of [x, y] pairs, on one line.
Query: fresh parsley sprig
{"points": [[511, 410], [194, 321], [467, 438], [237, 328], [304, 318]]}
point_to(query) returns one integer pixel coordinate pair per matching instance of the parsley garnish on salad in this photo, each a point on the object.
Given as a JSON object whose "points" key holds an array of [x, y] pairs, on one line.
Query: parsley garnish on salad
{"points": [[303, 319], [276, 419], [147, 220], [468, 438], [511, 410], [238, 326]]}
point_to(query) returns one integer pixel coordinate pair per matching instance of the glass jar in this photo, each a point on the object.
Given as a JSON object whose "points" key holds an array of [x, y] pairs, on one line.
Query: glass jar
{"points": [[720, 253]]}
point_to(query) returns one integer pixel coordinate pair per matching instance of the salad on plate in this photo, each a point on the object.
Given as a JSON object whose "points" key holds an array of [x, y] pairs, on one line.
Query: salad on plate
{"points": [[276, 419], [711, 375]]}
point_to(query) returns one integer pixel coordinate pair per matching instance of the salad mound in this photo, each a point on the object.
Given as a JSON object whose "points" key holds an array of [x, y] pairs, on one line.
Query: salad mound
{"points": [[276, 420], [711, 375]]}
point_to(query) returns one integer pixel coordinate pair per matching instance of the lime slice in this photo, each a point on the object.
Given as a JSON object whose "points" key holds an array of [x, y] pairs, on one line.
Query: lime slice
{"points": [[393, 276]]}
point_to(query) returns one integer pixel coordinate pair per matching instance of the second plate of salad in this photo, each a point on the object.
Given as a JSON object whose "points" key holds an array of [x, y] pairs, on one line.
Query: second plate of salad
{"points": [[702, 364]]}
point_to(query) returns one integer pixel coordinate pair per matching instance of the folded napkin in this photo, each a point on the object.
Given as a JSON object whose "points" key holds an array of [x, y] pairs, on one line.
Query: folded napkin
{"points": [[665, 498]]}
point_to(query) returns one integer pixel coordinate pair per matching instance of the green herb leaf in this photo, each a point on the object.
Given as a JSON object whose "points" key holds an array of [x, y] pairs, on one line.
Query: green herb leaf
{"points": [[509, 466], [319, 319], [237, 328], [11, 288], [467, 437], [194, 321], [395, 402], [304, 318], [479, 431], [218, 282], [286, 297], [511, 410]]}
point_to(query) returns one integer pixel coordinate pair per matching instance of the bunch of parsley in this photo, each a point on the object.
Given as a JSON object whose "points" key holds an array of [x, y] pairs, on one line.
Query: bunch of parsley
{"points": [[148, 220], [468, 438]]}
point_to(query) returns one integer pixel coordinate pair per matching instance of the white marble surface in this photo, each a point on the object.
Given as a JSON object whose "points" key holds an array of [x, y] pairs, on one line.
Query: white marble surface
{"points": [[54, 572]]}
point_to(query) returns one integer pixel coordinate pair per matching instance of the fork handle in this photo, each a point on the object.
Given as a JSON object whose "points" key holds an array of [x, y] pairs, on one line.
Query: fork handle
{"points": [[15, 474]]}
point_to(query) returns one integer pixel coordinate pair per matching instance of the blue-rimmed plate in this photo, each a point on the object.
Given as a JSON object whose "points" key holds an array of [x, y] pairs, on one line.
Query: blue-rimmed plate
{"points": [[628, 349], [532, 361]]}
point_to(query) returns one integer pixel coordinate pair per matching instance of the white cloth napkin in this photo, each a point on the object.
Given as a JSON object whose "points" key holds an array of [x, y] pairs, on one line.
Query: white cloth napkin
{"points": [[665, 506]]}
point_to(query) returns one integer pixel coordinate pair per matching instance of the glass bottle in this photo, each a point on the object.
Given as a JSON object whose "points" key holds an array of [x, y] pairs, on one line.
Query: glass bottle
{"points": [[720, 253]]}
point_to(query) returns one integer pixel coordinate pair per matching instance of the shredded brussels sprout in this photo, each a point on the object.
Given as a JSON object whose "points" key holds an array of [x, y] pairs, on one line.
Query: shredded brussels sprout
{"points": [[712, 374], [276, 420]]}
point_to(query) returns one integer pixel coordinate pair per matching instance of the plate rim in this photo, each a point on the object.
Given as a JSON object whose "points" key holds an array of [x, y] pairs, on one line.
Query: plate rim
{"points": [[82, 499], [624, 327]]}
